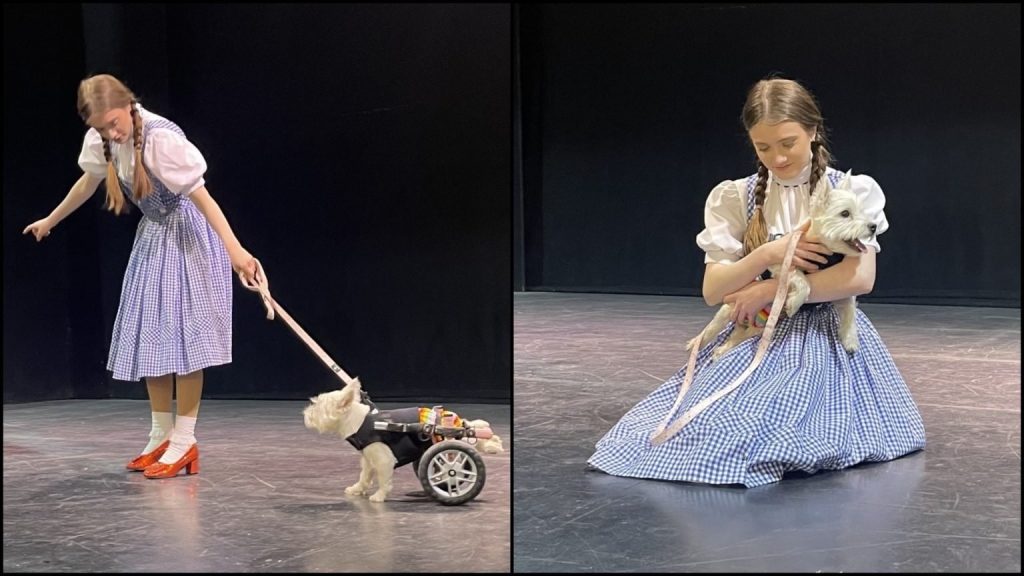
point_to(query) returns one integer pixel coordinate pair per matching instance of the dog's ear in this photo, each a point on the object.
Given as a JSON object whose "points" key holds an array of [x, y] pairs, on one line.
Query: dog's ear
{"points": [[845, 182], [351, 393], [346, 399], [313, 399]]}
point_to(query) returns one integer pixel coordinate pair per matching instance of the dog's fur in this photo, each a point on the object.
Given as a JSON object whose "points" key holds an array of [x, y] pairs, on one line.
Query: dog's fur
{"points": [[341, 412], [845, 234]]}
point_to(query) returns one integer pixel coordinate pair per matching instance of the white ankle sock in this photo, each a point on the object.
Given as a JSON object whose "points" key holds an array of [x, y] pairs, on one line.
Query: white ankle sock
{"points": [[182, 439], [163, 423]]}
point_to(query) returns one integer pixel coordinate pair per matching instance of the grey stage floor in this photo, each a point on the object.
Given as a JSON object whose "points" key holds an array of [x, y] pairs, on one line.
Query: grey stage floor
{"points": [[268, 498], [582, 360]]}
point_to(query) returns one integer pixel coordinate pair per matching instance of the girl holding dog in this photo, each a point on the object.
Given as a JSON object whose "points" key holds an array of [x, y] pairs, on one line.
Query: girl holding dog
{"points": [[809, 405], [174, 316]]}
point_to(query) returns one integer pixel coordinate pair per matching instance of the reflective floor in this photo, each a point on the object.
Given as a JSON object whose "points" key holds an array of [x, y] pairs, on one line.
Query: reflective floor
{"points": [[268, 498]]}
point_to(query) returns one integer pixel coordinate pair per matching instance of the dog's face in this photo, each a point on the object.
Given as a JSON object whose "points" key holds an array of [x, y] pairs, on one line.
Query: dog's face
{"points": [[327, 412], [838, 219]]}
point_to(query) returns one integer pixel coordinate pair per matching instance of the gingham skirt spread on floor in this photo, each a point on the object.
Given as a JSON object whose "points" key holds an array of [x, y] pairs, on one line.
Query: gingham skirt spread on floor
{"points": [[809, 406], [175, 310]]}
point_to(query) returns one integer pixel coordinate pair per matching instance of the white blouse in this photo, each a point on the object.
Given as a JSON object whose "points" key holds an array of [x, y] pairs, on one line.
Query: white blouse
{"points": [[786, 205], [175, 161]]}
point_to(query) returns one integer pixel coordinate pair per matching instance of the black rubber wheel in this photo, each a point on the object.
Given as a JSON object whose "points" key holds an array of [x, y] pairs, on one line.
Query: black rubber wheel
{"points": [[452, 472]]}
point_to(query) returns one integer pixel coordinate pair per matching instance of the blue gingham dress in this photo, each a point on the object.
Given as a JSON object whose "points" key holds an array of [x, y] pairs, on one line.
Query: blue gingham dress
{"points": [[175, 309], [809, 406]]}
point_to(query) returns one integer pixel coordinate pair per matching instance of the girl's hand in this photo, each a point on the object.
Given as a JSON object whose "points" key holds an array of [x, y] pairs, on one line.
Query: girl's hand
{"points": [[807, 256], [244, 264], [749, 300], [40, 228]]}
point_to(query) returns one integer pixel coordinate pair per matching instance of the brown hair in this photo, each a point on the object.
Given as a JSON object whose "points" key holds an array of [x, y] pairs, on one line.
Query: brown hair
{"points": [[96, 95], [772, 101]]}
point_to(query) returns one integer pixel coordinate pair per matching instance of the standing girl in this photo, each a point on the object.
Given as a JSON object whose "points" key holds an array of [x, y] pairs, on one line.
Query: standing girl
{"points": [[174, 316]]}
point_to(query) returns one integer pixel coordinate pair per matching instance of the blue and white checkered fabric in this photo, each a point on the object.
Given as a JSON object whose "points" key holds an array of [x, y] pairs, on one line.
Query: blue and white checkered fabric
{"points": [[175, 310], [809, 406]]}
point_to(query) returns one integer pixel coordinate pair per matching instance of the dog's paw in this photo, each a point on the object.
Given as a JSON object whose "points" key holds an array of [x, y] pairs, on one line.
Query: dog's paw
{"points": [[850, 342], [379, 496], [491, 445], [720, 351], [793, 303], [355, 490]]}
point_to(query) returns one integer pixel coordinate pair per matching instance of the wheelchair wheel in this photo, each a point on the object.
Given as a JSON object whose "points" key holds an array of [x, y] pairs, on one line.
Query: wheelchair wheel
{"points": [[452, 472]]}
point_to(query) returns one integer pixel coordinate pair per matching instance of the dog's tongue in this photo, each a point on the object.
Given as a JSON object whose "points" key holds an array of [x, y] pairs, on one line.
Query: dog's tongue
{"points": [[859, 246]]}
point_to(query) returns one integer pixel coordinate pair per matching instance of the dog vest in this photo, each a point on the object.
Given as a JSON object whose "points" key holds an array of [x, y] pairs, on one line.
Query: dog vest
{"points": [[833, 176], [831, 260], [407, 446]]}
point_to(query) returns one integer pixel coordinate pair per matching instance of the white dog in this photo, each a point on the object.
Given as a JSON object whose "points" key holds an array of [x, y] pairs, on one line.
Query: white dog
{"points": [[343, 413], [837, 221]]}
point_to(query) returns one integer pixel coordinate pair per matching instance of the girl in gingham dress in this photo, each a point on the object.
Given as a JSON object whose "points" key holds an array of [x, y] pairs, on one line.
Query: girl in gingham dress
{"points": [[809, 405], [174, 317]]}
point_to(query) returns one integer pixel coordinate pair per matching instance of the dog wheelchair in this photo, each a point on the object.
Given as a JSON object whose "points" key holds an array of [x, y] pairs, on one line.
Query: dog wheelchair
{"points": [[439, 445], [437, 442]]}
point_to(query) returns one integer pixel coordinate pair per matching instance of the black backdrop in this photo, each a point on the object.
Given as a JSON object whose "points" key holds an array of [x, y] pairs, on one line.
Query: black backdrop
{"points": [[630, 116], [361, 152]]}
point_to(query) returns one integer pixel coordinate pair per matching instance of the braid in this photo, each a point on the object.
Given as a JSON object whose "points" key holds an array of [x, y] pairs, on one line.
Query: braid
{"points": [[115, 200], [770, 102], [820, 158], [757, 228], [141, 186], [761, 184]]}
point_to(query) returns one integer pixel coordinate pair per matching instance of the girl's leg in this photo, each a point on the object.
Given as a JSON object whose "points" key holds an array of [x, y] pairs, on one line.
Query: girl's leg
{"points": [[190, 389], [160, 389]]}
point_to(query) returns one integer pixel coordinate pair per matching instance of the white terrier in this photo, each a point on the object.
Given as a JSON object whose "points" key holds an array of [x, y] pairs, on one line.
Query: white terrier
{"points": [[837, 221], [343, 413]]}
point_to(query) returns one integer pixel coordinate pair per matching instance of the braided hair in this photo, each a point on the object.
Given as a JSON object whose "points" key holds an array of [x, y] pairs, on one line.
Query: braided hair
{"points": [[96, 95], [776, 100]]}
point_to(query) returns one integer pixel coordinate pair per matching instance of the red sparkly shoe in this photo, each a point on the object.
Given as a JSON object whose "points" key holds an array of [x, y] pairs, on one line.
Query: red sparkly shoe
{"points": [[140, 462], [189, 461]]}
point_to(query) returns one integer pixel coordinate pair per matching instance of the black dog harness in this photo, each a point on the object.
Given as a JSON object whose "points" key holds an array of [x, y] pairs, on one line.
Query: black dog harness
{"points": [[406, 446], [832, 260]]}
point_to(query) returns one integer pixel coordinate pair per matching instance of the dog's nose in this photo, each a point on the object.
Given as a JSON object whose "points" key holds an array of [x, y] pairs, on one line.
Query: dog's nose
{"points": [[872, 228]]}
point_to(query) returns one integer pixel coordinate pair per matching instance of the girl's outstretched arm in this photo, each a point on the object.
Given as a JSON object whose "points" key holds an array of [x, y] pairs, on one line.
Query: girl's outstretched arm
{"points": [[81, 191]]}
